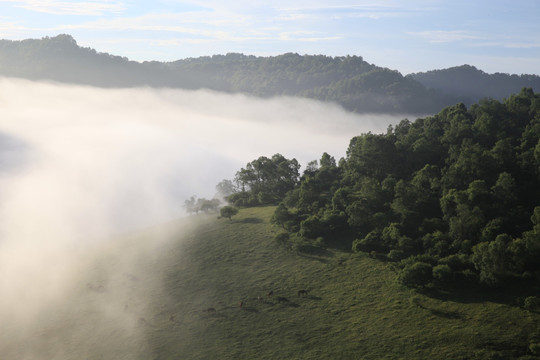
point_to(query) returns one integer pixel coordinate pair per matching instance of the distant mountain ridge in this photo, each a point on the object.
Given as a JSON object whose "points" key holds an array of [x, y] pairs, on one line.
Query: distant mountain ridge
{"points": [[347, 80], [471, 84]]}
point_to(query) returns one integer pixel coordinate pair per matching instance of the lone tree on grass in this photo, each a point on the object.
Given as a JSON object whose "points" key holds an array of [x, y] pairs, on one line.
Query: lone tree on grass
{"points": [[228, 211]]}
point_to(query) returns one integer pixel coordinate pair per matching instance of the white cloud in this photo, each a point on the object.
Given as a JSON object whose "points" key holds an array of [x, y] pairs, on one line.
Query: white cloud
{"points": [[305, 36], [11, 27], [512, 43], [173, 22], [445, 36], [355, 8], [200, 27], [522, 45], [477, 39], [70, 8]]}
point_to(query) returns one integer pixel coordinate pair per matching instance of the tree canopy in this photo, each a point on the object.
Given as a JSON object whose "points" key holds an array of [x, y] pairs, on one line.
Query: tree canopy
{"points": [[228, 211], [451, 196], [265, 180]]}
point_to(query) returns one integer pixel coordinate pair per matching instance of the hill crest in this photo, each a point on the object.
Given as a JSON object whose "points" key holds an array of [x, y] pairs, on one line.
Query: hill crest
{"points": [[350, 81]]}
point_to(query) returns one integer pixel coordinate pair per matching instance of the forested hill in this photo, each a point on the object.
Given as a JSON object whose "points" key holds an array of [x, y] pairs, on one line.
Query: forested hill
{"points": [[349, 80], [455, 196], [470, 84]]}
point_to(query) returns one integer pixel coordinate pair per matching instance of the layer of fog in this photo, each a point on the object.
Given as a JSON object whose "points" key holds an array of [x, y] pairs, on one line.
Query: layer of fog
{"points": [[80, 163]]}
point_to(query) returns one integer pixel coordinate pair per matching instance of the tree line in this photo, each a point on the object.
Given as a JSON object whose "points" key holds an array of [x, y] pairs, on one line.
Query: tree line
{"points": [[450, 197], [347, 80], [470, 84]]}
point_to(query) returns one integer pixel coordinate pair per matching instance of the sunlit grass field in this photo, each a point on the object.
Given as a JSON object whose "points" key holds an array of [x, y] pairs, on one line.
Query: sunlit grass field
{"points": [[354, 308]]}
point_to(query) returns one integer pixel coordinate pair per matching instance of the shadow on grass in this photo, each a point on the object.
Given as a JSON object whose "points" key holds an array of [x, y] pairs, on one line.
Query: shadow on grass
{"points": [[446, 314], [290, 304], [312, 257], [313, 250], [251, 220], [513, 292], [250, 309], [437, 312]]}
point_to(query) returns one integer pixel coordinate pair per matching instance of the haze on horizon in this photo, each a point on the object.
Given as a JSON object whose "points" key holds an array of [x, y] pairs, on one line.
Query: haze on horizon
{"points": [[412, 36]]}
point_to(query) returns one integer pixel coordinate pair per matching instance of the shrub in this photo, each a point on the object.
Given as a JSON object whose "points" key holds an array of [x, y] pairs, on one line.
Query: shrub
{"points": [[371, 242], [282, 237], [416, 274], [312, 227], [409, 245], [535, 348], [238, 199], [228, 211], [457, 262], [334, 222], [396, 255], [490, 259], [285, 218], [320, 242], [426, 258], [532, 303], [357, 246], [442, 273]]}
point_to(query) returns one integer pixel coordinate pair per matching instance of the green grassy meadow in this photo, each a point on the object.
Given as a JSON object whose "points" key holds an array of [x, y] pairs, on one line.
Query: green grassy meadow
{"points": [[178, 293], [354, 308]]}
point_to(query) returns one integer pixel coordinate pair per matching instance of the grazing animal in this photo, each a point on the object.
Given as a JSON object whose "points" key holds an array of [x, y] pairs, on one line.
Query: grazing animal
{"points": [[303, 292], [210, 310], [271, 293], [240, 304], [171, 318], [281, 299], [259, 298]]}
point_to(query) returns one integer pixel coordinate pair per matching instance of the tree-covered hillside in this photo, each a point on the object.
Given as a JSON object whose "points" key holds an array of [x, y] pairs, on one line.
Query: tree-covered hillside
{"points": [[455, 196], [347, 80], [470, 84]]}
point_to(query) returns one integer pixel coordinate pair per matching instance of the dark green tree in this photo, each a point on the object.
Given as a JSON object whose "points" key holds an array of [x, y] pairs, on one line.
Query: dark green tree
{"points": [[491, 260], [228, 211]]}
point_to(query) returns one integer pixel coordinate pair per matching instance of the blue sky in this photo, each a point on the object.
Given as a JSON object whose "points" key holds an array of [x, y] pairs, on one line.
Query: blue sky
{"points": [[409, 36]]}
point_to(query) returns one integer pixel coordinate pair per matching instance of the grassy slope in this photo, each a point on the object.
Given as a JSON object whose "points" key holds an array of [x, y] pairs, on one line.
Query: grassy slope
{"points": [[354, 310]]}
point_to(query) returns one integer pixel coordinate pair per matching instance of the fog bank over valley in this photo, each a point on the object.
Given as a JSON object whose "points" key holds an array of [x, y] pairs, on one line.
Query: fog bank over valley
{"points": [[79, 164], [132, 154]]}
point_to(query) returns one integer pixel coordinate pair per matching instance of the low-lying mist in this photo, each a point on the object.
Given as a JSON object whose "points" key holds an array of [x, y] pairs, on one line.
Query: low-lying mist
{"points": [[78, 164]]}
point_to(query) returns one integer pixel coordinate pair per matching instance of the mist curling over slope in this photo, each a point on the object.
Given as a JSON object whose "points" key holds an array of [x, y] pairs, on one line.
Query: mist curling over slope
{"points": [[81, 163], [124, 154]]}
